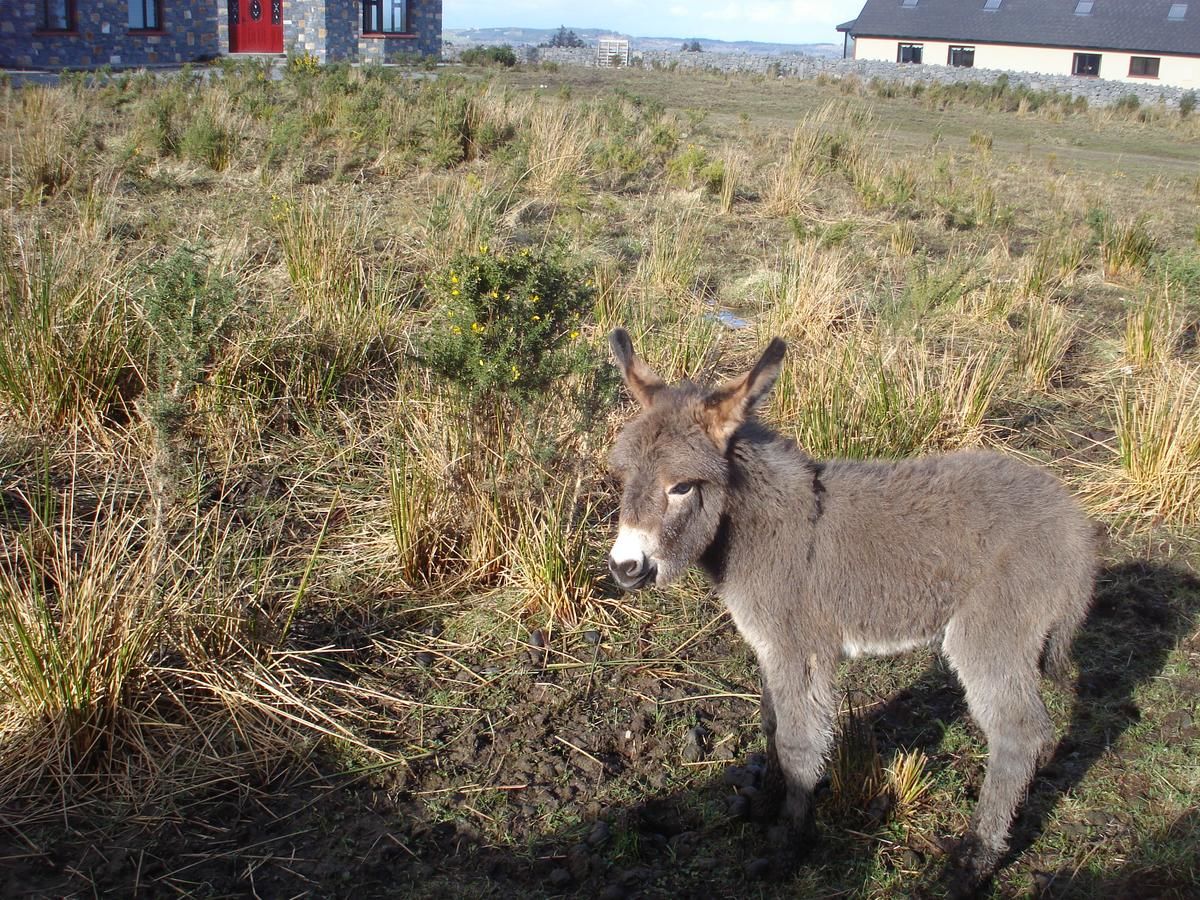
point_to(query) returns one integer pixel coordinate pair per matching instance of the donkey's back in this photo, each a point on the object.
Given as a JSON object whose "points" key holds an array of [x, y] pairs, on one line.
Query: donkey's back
{"points": [[904, 549]]}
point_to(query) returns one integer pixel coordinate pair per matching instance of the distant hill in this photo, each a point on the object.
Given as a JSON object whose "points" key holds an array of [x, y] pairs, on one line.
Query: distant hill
{"points": [[531, 37]]}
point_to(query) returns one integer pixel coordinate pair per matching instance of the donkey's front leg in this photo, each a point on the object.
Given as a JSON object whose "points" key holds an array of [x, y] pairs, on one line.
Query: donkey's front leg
{"points": [[801, 690], [765, 805]]}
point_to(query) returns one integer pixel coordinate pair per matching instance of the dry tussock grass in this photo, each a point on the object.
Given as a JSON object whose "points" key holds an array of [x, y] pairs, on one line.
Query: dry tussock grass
{"points": [[169, 573]]}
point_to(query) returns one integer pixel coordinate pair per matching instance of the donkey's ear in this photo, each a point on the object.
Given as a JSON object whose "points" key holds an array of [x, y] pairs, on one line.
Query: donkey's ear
{"points": [[731, 404], [641, 380]]}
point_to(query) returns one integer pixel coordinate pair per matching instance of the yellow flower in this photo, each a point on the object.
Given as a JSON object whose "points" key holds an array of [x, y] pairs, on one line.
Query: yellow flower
{"points": [[495, 295], [574, 335], [516, 373], [454, 293], [483, 248], [481, 362], [455, 329], [477, 328], [453, 278], [535, 298], [535, 318]]}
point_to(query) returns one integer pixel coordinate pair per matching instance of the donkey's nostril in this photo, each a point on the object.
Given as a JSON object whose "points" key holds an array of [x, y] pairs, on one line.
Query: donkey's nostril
{"points": [[631, 573], [625, 569]]}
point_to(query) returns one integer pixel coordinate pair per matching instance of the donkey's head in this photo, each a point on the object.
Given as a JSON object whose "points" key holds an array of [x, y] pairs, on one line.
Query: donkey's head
{"points": [[672, 463]]}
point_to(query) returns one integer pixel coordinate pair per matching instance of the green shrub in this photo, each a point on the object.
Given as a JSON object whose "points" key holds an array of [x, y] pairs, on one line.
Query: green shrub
{"points": [[188, 310], [692, 167], [494, 55], [1187, 103], [207, 141], [507, 326], [301, 65]]}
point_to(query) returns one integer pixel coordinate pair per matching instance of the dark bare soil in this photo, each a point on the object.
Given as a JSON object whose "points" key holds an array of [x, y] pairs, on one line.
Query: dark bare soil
{"points": [[621, 778]]}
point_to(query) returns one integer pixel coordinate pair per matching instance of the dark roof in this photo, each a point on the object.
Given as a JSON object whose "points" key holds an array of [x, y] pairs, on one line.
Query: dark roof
{"points": [[847, 26], [1138, 25]]}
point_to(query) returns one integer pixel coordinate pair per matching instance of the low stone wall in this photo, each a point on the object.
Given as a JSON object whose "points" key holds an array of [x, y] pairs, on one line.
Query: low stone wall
{"points": [[1097, 91]]}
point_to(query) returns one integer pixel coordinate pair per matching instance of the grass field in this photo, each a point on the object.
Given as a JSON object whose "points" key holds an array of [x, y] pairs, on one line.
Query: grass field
{"points": [[304, 406]]}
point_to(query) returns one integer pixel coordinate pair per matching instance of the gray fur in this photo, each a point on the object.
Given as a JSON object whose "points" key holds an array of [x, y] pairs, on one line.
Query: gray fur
{"points": [[983, 556]]}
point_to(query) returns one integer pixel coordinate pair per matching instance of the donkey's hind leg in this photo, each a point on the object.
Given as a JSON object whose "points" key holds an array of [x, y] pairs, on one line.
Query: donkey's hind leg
{"points": [[1000, 679]]}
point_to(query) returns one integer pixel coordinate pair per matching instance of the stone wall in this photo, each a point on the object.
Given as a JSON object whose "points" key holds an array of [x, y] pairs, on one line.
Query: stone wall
{"points": [[1097, 91], [330, 30], [424, 36], [101, 36], [304, 29], [343, 21]]}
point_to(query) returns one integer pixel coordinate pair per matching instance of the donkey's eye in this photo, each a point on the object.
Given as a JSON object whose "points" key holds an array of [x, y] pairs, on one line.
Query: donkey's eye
{"points": [[682, 488]]}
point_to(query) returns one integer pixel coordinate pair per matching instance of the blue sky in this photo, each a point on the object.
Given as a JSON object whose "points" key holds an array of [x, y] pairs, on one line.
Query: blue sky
{"points": [[782, 21]]}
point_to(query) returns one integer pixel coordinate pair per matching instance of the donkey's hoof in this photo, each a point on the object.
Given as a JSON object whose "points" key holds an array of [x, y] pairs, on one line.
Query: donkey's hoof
{"points": [[776, 867], [765, 805], [758, 869], [969, 868], [792, 838]]}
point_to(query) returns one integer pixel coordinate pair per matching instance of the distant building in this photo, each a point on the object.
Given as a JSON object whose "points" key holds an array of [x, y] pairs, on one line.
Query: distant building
{"points": [[1122, 40], [56, 34], [612, 51]]}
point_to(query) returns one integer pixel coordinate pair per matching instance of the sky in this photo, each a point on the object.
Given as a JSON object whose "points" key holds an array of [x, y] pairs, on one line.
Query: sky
{"points": [[776, 21]]}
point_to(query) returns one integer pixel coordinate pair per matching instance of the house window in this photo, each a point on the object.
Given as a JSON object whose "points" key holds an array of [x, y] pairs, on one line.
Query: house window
{"points": [[1143, 66], [1086, 64], [961, 57], [991, 5], [1176, 12], [908, 53], [908, 4], [144, 15], [58, 15], [385, 16], [1083, 8]]}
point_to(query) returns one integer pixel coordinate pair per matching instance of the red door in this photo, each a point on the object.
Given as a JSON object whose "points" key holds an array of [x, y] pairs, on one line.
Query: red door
{"points": [[255, 26]]}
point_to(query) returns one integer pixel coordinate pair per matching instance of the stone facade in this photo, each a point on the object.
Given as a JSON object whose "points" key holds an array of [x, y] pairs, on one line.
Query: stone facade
{"points": [[196, 30], [332, 31], [101, 35], [424, 26], [1097, 91]]}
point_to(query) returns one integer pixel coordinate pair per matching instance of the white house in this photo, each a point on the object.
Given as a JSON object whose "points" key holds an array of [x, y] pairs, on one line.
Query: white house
{"points": [[1121, 40]]}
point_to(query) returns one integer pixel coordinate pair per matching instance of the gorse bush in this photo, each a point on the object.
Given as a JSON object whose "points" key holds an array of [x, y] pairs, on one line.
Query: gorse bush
{"points": [[507, 326], [692, 167], [209, 141], [189, 311], [495, 55]]}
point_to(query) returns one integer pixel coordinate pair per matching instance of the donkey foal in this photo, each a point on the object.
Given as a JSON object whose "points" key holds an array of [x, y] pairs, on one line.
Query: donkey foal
{"points": [[984, 556]]}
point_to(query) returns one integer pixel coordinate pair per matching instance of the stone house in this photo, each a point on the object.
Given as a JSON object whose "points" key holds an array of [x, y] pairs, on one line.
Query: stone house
{"points": [[57, 34], [1135, 41]]}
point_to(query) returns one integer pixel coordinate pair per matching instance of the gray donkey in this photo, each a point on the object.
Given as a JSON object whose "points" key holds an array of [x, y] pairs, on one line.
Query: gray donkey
{"points": [[986, 557]]}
